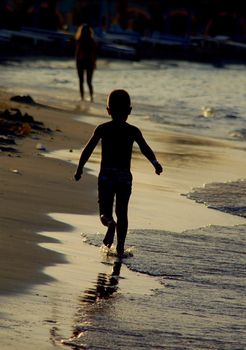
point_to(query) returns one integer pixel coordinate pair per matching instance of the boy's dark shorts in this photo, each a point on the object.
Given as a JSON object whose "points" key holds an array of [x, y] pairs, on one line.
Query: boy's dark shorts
{"points": [[111, 183]]}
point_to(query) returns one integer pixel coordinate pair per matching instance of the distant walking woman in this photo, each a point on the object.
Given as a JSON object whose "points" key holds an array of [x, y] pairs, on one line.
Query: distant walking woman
{"points": [[85, 57]]}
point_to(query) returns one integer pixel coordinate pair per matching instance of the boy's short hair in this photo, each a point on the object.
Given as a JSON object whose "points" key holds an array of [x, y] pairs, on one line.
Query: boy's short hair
{"points": [[119, 102]]}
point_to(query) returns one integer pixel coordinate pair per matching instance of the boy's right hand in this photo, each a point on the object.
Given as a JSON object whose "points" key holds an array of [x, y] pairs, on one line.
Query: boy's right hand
{"points": [[78, 174], [158, 168]]}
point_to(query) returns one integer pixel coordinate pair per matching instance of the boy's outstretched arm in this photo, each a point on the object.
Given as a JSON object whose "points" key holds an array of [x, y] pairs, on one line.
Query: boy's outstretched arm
{"points": [[148, 153], [85, 155]]}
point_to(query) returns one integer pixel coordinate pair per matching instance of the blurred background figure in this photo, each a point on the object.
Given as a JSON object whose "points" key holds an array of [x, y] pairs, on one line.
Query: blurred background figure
{"points": [[85, 57], [43, 14], [12, 14], [65, 9]]}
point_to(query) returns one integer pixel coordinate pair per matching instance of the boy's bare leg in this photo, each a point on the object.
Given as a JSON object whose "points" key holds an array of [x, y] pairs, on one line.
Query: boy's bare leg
{"points": [[122, 222], [121, 237]]}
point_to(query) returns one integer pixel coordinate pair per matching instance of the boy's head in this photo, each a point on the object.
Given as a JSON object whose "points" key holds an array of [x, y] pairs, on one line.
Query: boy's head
{"points": [[119, 105]]}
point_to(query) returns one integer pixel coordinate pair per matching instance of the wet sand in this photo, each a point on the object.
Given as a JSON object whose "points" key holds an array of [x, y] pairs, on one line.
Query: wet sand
{"points": [[45, 265]]}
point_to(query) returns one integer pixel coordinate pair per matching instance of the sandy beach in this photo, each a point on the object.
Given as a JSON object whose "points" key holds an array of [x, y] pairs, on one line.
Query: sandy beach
{"points": [[45, 264]]}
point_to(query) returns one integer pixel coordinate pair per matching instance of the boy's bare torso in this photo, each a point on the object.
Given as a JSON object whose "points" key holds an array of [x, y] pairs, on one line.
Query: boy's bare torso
{"points": [[117, 141]]}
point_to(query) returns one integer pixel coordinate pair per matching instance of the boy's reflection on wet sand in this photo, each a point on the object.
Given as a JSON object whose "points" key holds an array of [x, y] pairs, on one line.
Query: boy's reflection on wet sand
{"points": [[105, 286]]}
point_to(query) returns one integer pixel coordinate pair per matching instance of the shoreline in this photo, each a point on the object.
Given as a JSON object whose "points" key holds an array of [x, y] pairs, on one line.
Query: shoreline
{"points": [[43, 263], [35, 266], [76, 133]]}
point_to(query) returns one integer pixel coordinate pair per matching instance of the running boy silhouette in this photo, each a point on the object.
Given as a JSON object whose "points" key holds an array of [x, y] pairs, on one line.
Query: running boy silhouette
{"points": [[115, 178]]}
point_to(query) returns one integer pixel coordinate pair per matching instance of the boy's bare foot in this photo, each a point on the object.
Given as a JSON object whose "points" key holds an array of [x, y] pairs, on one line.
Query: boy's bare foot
{"points": [[109, 237]]}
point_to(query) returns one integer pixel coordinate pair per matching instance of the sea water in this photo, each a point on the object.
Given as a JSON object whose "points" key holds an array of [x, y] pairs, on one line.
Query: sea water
{"points": [[197, 98], [200, 302]]}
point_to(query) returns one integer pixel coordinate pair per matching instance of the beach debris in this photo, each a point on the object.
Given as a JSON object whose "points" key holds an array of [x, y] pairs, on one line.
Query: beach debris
{"points": [[239, 134], [207, 112], [4, 140], [25, 129], [74, 344], [6, 144], [40, 147], [14, 123], [8, 149], [230, 116], [50, 321], [22, 99], [15, 171]]}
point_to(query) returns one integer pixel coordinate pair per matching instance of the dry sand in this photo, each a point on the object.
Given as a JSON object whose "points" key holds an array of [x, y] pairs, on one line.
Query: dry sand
{"points": [[45, 266]]}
